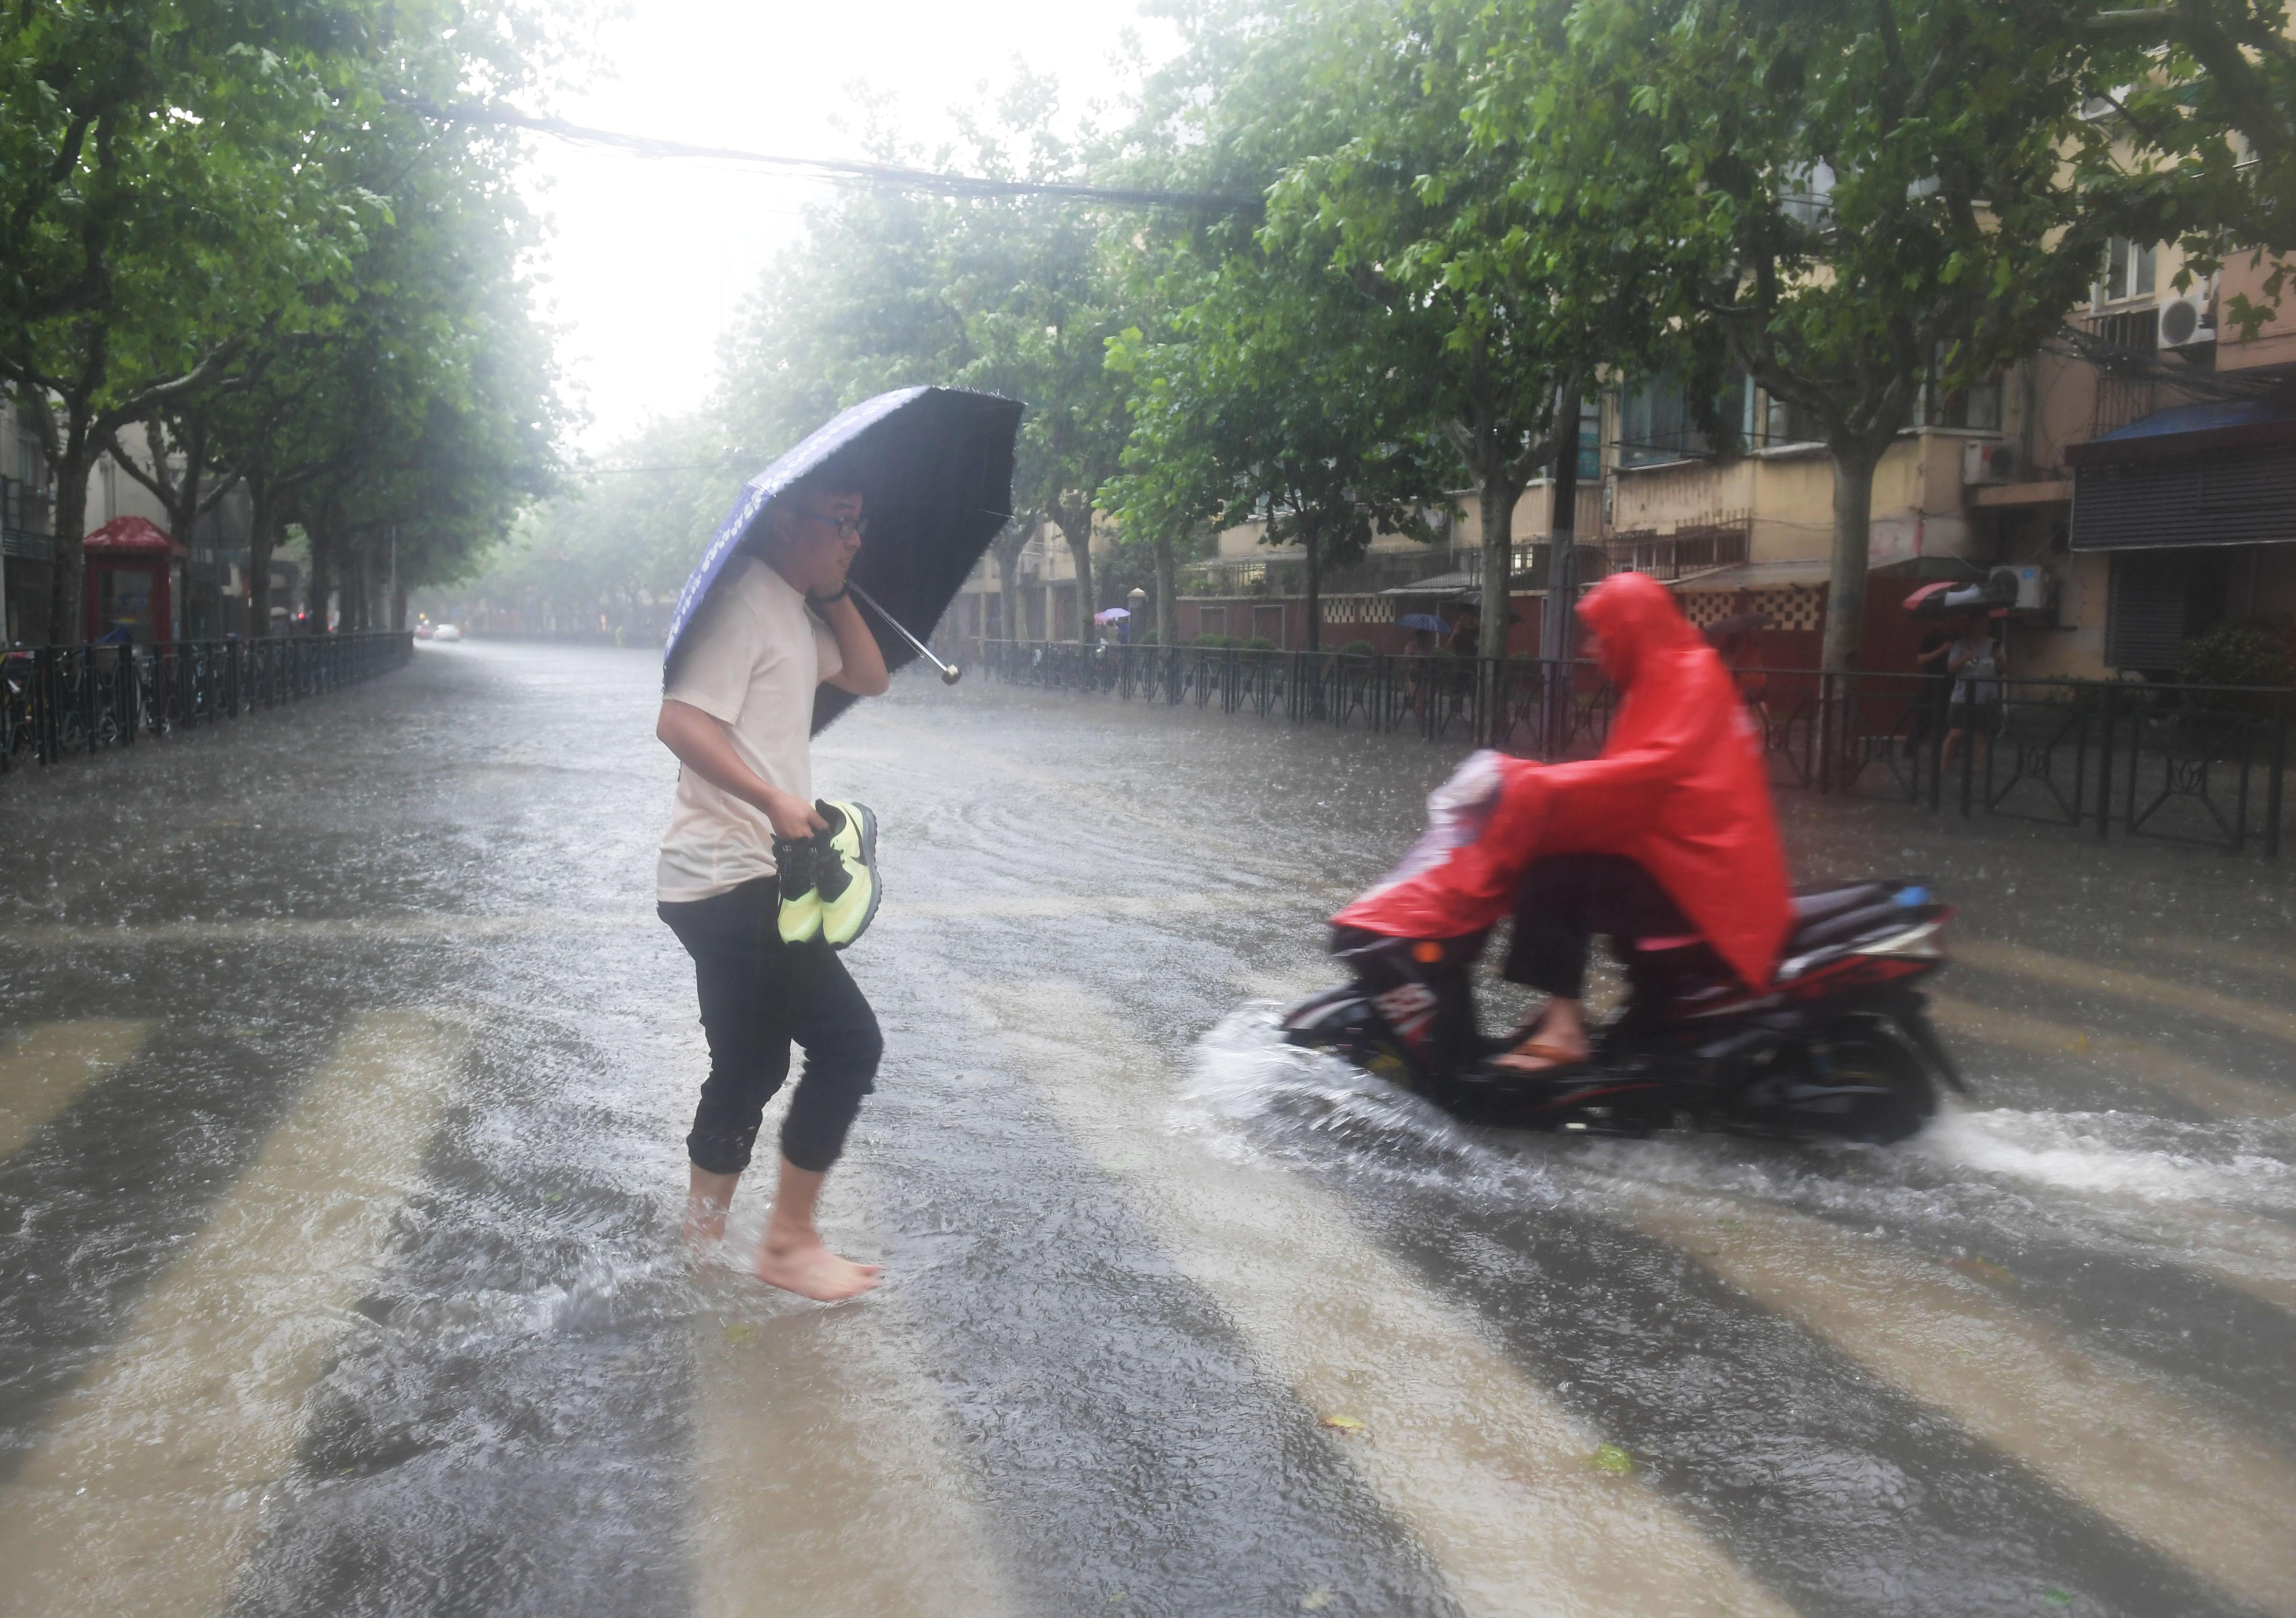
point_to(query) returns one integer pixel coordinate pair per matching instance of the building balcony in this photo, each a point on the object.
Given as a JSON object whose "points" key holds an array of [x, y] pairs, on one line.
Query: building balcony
{"points": [[1279, 575]]}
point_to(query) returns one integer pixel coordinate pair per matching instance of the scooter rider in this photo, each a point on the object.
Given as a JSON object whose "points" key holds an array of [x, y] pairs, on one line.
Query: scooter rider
{"points": [[1667, 836]]}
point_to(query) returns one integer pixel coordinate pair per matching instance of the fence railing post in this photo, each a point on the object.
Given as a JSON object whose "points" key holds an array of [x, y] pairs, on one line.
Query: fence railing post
{"points": [[2272, 784], [2109, 722]]}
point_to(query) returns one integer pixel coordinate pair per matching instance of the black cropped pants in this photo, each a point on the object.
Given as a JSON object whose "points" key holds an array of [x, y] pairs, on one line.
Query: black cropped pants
{"points": [[1565, 899], [757, 994]]}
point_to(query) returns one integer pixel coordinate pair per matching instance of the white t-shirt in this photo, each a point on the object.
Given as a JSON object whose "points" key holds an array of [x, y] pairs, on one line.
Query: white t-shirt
{"points": [[753, 658]]}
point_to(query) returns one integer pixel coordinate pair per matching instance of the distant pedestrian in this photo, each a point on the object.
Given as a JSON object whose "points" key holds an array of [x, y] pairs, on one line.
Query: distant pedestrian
{"points": [[1466, 636], [1929, 696], [1977, 663], [738, 710]]}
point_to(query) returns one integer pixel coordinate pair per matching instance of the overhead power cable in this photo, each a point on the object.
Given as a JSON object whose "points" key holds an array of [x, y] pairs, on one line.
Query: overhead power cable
{"points": [[847, 171]]}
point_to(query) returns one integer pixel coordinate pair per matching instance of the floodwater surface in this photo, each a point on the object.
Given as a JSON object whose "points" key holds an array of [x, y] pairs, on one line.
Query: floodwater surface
{"points": [[345, 1069]]}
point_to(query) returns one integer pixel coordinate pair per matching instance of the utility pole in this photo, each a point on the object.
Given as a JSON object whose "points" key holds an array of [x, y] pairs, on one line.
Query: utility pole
{"points": [[1559, 621]]}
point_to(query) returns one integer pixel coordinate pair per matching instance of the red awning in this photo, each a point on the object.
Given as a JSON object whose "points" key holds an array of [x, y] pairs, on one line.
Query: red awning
{"points": [[132, 536]]}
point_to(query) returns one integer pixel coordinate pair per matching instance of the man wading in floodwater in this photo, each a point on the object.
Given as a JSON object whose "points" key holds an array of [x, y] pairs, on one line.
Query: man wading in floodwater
{"points": [[737, 710]]}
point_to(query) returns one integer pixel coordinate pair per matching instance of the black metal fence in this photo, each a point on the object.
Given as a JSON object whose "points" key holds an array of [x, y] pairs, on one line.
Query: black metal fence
{"points": [[57, 701], [2196, 764]]}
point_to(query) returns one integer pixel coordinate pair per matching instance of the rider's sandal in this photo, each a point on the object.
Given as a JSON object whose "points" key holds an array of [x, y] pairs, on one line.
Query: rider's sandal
{"points": [[1558, 1060]]}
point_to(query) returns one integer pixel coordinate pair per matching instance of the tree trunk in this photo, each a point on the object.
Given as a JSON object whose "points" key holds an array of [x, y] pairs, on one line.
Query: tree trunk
{"points": [[259, 559], [1168, 625], [67, 578], [1080, 547], [1853, 513], [1008, 594], [1496, 502], [321, 586], [1311, 545], [398, 609]]}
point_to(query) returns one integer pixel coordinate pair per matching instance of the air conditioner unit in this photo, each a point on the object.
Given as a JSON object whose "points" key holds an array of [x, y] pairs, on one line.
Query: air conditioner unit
{"points": [[2185, 322], [2029, 587], [1983, 461]]}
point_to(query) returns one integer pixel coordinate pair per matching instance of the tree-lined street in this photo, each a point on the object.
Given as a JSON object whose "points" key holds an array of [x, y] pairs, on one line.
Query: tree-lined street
{"points": [[340, 1208]]}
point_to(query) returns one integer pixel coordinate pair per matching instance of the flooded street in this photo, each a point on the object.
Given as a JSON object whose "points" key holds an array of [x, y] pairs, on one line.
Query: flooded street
{"points": [[344, 1077]]}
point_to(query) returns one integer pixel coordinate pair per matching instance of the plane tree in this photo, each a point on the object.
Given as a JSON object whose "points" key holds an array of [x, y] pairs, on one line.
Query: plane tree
{"points": [[1279, 392], [1888, 201]]}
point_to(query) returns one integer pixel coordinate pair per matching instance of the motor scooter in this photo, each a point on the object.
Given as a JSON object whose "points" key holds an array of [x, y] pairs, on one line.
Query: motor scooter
{"points": [[1839, 1044]]}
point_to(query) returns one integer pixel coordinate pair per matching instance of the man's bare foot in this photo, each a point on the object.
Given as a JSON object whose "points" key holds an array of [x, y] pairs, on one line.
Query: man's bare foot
{"points": [[705, 1227], [810, 1270], [707, 1197]]}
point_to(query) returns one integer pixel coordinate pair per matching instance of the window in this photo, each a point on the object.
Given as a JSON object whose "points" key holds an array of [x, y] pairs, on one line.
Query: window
{"points": [[1806, 195], [1787, 423], [1590, 439], [1976, 408], [2130, 271], [1656, 424]]}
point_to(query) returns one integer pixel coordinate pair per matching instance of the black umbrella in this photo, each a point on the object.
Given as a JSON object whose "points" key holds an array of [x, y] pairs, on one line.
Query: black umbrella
{"points": [[935, 466]]}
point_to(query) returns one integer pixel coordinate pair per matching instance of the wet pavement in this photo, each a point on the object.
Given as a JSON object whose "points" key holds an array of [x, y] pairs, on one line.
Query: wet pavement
{"points": [[344, 1071]]}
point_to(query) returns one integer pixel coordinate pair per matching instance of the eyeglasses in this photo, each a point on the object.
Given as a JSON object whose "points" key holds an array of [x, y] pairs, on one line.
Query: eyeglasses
{"points": [[847, 528]]}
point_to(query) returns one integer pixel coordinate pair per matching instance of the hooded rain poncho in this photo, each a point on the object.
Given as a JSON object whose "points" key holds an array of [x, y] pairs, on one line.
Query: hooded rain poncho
{"points": [[1680, 789]]}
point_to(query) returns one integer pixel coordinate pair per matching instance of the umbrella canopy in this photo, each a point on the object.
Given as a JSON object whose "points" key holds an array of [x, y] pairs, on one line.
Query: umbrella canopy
{"points": [[1738, 623], [935, 466], [1109, 615], [1423, 621]]}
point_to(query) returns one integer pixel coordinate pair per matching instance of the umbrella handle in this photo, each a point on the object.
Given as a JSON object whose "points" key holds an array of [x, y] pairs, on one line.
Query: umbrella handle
{"points": [[950, 673]]}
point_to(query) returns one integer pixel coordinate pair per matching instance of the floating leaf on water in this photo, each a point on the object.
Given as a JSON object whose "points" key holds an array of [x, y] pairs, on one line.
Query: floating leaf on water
{"points": [[2056, 1598], [554, 1197], [740, 1332], [1345, 1424], [1316, 1601], [1119, 1598], [1610, 1458], [1982, 1269]]}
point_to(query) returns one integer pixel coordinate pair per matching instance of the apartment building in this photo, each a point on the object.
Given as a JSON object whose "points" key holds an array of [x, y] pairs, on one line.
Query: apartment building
{"points": [[27, 545]]}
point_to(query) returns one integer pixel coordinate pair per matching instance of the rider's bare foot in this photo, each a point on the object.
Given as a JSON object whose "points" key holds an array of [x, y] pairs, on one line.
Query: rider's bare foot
{"points": [[1556, 1038], [1542, 1055], [807, 1268]]}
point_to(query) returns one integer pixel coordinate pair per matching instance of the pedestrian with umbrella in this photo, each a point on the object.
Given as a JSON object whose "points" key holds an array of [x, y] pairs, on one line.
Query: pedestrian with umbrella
{"points": [[1424, 628], [763, 883]]}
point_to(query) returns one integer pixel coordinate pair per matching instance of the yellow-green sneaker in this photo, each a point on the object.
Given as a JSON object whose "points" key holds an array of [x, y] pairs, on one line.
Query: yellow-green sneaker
{"points": [[845, 871], [800, 908]]}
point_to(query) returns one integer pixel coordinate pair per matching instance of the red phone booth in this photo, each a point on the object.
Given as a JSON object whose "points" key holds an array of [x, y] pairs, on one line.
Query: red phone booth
{"points": [[131, 568]]}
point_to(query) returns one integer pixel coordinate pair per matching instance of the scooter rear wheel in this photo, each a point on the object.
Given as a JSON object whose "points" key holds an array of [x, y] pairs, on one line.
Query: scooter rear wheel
{"points": [[1877, 1091], [1859, 1084]]}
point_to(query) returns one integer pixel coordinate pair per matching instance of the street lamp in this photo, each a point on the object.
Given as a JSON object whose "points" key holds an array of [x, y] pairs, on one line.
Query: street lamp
{"points": [[1136, 599]]}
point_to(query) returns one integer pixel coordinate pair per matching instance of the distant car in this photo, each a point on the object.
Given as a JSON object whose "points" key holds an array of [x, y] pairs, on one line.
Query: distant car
{"points": [[424, 631], [447, 632]]}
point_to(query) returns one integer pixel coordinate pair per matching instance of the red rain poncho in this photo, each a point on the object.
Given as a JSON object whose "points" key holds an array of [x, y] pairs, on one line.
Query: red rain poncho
{"points": [[1680, 789]]}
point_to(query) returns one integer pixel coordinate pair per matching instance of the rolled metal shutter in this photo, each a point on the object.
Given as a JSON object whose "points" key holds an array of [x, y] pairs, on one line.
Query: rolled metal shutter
{"points": [[2225, 497], [2144, 610]]}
